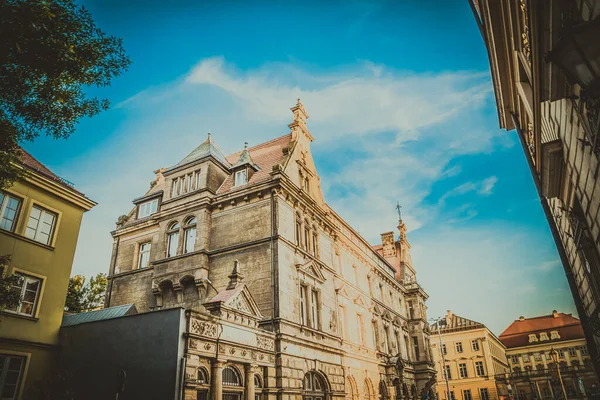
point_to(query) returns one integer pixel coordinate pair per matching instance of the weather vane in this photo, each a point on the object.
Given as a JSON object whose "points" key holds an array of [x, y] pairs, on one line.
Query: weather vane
{"points": [[399, 208]]}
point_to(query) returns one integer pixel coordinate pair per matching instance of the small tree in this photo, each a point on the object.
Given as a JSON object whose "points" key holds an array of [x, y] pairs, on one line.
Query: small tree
{"points": [[50, 51], [85, 297], [9, 296]]}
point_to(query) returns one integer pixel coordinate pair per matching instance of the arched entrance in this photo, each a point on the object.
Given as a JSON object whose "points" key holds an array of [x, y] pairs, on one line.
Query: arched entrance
{"points": [[351, 389], [369, 390], [313, 386]]}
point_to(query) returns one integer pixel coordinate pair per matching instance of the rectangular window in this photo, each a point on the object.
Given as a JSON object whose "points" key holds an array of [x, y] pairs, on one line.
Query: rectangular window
{"points": [[360, 329], [184, 184], [572, 352], [190, 181], [11, 375], [174, 186], [479, 368], [241, 178], [525, 357], [314, 312], [386, 331], [173, 244], [584, 350], [467, 394], [561, 353], [190, 239], [306, 238], [484, 394], [415, 341], [314, 244], [342, 322], [40, 226], [411, 311], [29, 288], [459, 348], [298, 233], [144, 257], [444, 349], [447, 372], [462, 370], [148, 208], [537, 357], [452, 395], [475, 345], [303, 310], [197, 180], [9, 210]]}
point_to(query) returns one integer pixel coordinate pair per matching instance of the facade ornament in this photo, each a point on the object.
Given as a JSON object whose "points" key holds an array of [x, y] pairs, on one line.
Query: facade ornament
{"points": [[265, 343], [122, 220], [236, 277], [203, 328]]}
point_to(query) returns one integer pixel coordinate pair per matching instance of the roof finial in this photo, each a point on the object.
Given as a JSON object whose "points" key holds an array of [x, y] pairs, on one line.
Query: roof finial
{"points": [[245, 145], [236, 277], [399, 208], [208, 135]]}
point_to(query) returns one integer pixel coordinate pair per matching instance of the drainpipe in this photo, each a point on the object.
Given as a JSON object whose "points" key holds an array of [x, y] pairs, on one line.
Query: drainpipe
{"points": [[560, 247], [272, 249]]}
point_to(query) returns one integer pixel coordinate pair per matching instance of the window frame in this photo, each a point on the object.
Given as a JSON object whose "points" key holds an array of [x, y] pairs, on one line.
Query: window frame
{"points": [[475, 345], [463, 372], [3, 207], [458, 347], [235, 373], [22, 372], [43, 211], [173, 234], [303, 305], [25, 278], [237, 178], [141, 252], [189, 226], [465, 392], [149, 203], [481, 394], [479, 368]]}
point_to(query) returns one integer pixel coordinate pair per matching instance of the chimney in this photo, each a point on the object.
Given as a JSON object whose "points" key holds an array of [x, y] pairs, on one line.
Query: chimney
{"points": [[389, 247], [521, 318], [555, 313]]}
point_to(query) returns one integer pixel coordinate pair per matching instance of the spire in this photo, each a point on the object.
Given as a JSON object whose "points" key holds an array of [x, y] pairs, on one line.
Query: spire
{"points": [[205, 149], [298, 124], [236, 277], [245, 158]]}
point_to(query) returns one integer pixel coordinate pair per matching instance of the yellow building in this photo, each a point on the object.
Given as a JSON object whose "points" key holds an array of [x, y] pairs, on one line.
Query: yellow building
{"points": [[538, 349], [472, 357], [40, 216]]}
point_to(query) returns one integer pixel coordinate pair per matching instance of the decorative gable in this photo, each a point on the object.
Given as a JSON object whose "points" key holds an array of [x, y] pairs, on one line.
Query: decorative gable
{"points": [[237, 300], [311, 269]]}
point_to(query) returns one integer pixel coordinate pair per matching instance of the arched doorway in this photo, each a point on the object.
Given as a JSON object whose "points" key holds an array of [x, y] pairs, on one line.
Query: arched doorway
{"points": [[369, 390], [351, 389], [313, 387]]}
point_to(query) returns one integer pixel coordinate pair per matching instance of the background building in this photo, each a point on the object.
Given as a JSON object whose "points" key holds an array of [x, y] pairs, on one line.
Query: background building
{"points": [[40, 217], [473, 356], [530, 343], [285, 295], [545, 64]]}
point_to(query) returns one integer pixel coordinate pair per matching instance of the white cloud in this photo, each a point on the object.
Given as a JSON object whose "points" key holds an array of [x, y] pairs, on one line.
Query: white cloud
{"points": [[380, 136]]}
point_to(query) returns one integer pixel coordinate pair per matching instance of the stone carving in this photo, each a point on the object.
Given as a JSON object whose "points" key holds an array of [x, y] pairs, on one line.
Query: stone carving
{"points": [[207, 346], [265, 343], [239, 304], [203, 328], [193, 344], [243, 353], [122, 220]]}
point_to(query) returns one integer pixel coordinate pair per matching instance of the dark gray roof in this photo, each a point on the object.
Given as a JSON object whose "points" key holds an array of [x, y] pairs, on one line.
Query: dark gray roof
{"points": [[456, 323], [206, 148], [98, 315]]}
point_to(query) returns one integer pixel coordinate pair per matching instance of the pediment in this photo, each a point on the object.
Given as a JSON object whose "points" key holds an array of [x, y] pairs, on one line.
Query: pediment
{"points": [[311, 269], [360, 301], [238, 300]]}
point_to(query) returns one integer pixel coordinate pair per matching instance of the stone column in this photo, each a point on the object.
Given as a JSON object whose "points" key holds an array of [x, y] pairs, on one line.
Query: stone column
{"points": [[216, 379], [249, 371]]}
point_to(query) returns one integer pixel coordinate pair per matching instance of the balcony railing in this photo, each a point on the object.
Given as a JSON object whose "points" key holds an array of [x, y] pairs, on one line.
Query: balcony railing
{"points": [[542, 372], [589, 113]]}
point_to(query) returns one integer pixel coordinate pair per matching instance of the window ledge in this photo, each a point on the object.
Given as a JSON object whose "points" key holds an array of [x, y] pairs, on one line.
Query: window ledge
{"points": [[26, 239], [17, 315]]}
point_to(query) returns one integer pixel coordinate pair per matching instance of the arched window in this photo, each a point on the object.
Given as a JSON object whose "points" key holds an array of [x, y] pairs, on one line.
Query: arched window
{"points": [[173, 239], [231, 377], [298, 230], [315, 241], [369, 392], [313, 387], [306, 235], [257, 387], [189, 234], [201, 376]]}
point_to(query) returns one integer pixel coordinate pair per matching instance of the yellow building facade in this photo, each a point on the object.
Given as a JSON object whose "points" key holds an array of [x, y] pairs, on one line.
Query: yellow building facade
{"points": [[538, 348], [40, 217], [470, 355]]}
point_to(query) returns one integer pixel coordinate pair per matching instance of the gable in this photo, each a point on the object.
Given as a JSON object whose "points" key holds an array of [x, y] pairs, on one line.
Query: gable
{"points": [[243, 302], [311, 269]]}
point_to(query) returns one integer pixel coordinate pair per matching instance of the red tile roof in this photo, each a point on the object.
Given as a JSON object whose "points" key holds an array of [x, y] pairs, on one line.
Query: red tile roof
{"points": [[265, 156], [29, 162], [517, 334]]}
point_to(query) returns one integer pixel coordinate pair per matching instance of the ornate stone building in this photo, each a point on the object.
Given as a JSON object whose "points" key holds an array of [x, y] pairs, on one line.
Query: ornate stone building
{"points": [[545, 65], [285, 299]]}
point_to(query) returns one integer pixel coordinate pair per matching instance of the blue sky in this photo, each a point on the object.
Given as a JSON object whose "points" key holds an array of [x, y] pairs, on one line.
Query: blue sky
{"points": [[401, 108]]}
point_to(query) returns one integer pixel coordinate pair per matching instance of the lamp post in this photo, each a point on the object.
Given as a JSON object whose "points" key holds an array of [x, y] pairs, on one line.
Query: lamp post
{"points": [[438, 322], [554, 355]]}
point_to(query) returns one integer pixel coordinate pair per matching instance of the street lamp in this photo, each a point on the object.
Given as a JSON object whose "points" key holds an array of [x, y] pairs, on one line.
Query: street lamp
{"points": [[438, 322], [577, 53], [554, 355]]}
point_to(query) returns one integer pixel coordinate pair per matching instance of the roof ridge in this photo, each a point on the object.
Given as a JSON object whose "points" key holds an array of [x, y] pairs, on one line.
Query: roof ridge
{"points": [[260, 144]]}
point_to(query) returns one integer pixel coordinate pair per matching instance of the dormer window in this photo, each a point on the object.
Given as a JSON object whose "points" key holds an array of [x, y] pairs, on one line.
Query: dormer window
{"points": [[241, 178], [554, 335], [543, 336], [148, 208], [533, 338]]}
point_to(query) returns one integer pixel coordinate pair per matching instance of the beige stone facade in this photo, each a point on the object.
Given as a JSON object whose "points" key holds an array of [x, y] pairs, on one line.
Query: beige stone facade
{"points": [[472, 357], [557, 121], [287, 300]]}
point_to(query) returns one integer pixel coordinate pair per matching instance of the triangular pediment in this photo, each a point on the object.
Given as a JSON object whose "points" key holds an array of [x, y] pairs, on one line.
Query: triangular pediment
{"points": [[237, 300], [311, 269], [360, 301]]}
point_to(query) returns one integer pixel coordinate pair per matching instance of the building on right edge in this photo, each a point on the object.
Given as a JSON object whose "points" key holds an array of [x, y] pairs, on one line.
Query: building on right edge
{"points": [[543, 350], [545, 65], [472, 357]]}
